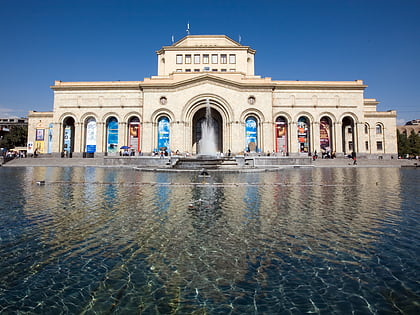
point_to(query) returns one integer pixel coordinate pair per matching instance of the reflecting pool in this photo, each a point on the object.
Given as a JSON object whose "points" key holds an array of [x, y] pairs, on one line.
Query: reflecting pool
{"points": [[120, 241]]}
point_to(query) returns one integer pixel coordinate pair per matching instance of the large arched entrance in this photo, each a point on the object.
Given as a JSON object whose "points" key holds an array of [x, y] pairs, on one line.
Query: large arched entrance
{"points": [[68, 135], [216, 121], [348, 135]]}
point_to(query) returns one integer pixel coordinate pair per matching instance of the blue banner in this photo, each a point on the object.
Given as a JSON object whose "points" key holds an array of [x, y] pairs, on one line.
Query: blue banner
{"points": [[251, 133], [112, 142], [163, 133]]}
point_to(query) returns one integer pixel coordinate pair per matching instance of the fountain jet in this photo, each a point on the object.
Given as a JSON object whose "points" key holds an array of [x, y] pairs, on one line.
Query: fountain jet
{"points": [[207, 143]]}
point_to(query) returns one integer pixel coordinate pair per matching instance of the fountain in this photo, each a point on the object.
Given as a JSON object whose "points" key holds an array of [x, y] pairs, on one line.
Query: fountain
{"points": [[207, 149], [207, 143]]}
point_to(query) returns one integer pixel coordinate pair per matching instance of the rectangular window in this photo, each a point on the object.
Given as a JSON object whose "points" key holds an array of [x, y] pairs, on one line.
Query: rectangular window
{"points": [[349, 130], [179, 59], [187, 58], [214, 70], [351, 145], [378, 129], [379, 145], [223, 58], [196, 70], [187, 70], [196, 59], [223, 70], [367, 145], [206, 69], [178, 70], [232, 70], [232, 58], [214, 59], [205, 58]]}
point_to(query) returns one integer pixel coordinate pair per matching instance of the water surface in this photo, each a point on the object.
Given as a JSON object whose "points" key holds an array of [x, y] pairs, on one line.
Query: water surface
{"points": [[118, 241]]}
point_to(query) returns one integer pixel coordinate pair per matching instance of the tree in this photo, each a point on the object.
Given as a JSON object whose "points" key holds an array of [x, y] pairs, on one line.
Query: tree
{"points": [[17, 137], [402, 141], [414, 143]]}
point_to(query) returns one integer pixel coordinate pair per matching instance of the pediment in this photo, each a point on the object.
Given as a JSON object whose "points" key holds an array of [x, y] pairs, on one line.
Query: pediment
{"points": [[206, 41], [210, 79]]}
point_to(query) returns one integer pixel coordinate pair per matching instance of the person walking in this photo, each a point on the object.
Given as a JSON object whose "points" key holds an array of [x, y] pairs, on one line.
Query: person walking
{"points": [[353, 156]]}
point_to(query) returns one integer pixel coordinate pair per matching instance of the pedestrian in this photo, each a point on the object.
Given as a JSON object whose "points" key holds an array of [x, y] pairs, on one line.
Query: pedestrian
{"points": [[353, 156]]}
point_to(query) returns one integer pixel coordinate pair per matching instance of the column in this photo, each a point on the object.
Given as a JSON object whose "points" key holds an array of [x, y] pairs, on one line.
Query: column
{"points": [[338, 138]]}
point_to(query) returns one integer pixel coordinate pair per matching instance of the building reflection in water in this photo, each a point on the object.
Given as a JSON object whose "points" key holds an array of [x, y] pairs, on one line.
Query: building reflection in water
{"points": [[174, 236]]}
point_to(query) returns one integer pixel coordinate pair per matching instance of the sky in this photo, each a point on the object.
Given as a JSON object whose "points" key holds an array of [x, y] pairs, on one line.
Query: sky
{"points": [[377, 41]]}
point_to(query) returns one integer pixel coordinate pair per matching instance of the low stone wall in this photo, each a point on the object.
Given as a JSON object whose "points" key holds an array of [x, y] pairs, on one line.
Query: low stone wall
{"points": [[145, 161], [267, 161]]}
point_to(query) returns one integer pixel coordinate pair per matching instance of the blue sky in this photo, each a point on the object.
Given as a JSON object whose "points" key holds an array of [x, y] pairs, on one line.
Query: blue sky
{"points": [[377, 41]]}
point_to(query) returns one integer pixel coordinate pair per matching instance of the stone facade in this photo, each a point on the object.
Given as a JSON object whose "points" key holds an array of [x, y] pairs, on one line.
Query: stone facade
{"points": [[250, 113]]}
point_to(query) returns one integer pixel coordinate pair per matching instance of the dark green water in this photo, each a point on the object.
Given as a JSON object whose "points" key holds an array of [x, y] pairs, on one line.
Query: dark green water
{"points": [[118, 241]]}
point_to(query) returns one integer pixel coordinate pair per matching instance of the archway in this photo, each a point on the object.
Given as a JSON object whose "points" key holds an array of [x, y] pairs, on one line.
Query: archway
{"points": [[68, 135], [281, 135], [216, 119], [304, 135], [325, 135], [348, 135]]}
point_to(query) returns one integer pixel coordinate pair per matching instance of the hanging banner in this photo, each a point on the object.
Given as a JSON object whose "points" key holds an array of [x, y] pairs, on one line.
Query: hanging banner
{"points": [[251, 134], [50, 136], [324, 134], [39, 135], [112, 141], [67, 139], [134, 130], [303, 135], [163, 134], [91, 136], [281, 134]]}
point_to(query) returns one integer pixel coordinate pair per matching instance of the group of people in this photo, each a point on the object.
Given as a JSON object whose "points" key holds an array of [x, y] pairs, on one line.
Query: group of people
{"points": [[15, 154], [325, 154]]}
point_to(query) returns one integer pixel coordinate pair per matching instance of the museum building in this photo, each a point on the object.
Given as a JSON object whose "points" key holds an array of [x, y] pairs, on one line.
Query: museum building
{"points": [[214, 73]]}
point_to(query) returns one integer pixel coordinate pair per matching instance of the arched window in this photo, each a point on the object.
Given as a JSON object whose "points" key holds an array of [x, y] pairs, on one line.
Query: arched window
{"points": [[134, 133], [112, 135], [303, 134], [378, 129], [163, 133], [366, 128], [251, 134], [281, 135], [90, 135]]}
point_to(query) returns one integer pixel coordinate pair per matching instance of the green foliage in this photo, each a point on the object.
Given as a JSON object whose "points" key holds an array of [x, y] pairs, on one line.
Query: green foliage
{"points": [[17, 137], [408, 145]]}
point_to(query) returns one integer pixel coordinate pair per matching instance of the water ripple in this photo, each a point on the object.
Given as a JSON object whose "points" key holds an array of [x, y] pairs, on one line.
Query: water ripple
{"points": [[96, 240]]}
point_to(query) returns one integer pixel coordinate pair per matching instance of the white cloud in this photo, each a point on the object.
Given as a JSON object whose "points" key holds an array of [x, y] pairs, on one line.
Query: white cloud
{"points": [[12, 112]]}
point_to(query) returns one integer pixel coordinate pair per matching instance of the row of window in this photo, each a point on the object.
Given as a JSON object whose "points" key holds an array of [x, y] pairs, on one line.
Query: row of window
{"points": [[205, 69], [206, 58], [378, 129]]}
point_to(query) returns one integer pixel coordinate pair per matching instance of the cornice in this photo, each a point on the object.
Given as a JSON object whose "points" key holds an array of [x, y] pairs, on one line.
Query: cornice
{"points": [[207, 78], [102, 85]]}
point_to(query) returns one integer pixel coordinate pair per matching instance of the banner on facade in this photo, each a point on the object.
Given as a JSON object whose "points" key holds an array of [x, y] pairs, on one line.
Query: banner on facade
{"points": [[112, 136], [163, 134], [91, 136], [251, 134], [324, 135], [67, 139]]}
